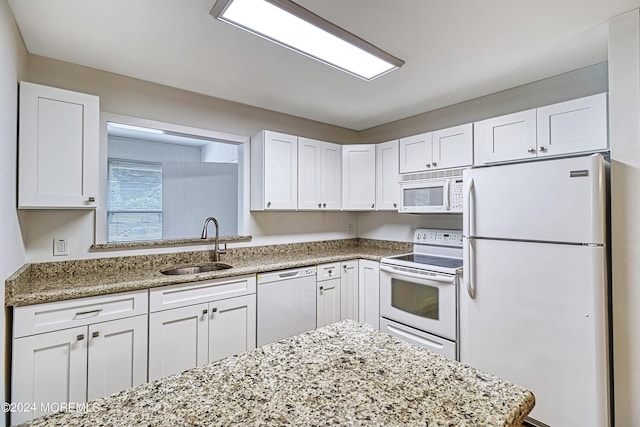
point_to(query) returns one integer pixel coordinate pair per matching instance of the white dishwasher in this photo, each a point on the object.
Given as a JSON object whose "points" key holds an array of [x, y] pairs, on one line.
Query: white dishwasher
{"points": [[286, 304]]}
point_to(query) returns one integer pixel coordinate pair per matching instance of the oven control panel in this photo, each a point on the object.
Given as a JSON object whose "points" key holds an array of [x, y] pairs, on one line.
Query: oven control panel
{"points": [[432, 236]]}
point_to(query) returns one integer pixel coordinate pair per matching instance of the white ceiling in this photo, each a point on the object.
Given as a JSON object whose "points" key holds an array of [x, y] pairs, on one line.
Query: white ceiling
{"points": [[454, 50]]}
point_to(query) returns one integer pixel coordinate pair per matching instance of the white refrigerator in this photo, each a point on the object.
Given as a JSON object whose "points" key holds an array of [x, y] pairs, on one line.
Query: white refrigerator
{"points": [[533, 304]]}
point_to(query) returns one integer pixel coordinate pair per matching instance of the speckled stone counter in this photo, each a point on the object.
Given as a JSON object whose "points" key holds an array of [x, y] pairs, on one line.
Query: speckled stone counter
{"points": [[342, 374], [57, 281]]}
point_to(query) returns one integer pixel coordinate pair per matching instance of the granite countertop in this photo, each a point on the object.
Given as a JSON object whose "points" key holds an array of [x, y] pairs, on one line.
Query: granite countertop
{"points": [[57, 281], [341, 374]]}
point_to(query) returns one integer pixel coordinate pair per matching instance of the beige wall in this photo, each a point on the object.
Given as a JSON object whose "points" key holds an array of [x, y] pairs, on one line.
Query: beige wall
{"points": [[624, 128], [13, 57], [574, 84], [126, 96]]}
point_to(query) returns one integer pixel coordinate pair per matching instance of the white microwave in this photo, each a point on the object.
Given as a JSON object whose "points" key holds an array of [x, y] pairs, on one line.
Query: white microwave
{"points": [[431, 192]]}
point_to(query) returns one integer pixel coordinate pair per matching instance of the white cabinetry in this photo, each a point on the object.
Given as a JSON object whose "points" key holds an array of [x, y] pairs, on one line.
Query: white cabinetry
{"points": [[328, 294], [196, 323], [359, 177], [575, 126], [453, 147], [369, 292], [58, 148], [387, 186], [319, 175], [441, 149], [349, 290], [416, 152], [77, 350], [274, 171]]}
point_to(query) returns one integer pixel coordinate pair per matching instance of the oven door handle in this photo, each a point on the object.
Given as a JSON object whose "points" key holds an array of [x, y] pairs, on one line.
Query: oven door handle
{"points": [[450, 280]]}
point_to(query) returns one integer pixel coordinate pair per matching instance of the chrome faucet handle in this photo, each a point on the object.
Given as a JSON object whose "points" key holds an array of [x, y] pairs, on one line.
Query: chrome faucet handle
{"points": [[223, 251]]}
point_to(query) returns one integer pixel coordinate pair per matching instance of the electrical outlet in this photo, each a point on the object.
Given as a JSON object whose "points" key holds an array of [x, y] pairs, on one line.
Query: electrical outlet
{"points": [[60, 246], [350, 226]]}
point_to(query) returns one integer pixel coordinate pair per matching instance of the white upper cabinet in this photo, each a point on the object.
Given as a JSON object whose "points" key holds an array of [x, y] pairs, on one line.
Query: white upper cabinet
{"points": [[58, 148], [575, 126], [579, 125], [504, 138], [319, 175], [387, 186], [453, 147], [416, 153], [441, 149], [359, 177], [274, 171]]}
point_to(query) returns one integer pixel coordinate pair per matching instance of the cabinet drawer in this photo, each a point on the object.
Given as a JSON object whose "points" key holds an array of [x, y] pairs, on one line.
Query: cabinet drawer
{"points": [[39, 318], [182, 295], [328, 271]]}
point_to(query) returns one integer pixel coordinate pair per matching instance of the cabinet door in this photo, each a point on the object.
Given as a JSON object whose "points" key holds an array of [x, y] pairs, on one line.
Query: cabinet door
{"points": [[117, 356], [349, 291], [232, 326], [505, 138], [416, 153], [178, 340], [58, 148], [369, 292], [331, 182], [309, 174], [280, 171], [575, 126], [359, 177], [387, 186], [49, 368], [328, 302], [453, 147]]}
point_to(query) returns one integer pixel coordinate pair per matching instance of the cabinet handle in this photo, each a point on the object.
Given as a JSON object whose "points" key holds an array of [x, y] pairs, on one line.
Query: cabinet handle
{"points": [[268, 204], [91, 199], [531, 150], [319, 205], [95, 334], [434, 164], [204, 311], [428, 166], [373, 205], [80, 337], [543, 149], [321, 288], [344, 266], [324, 205], [395, 205], [94, 312], [214, 310]]}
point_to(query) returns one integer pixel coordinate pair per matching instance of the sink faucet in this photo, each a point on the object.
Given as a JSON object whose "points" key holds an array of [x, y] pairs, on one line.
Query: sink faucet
{"points": [[216, 248]]}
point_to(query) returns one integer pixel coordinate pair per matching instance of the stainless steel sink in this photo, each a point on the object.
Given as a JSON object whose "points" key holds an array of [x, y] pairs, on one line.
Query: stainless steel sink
{"points": [[196, 269]]}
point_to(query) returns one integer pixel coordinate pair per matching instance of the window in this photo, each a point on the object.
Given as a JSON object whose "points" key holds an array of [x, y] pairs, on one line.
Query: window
{"points": [[134, 201], [163, 180]]}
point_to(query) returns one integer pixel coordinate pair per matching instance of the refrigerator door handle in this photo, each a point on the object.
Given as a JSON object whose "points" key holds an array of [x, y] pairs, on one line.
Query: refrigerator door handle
{"points": [[469, 215], [469, 272]]}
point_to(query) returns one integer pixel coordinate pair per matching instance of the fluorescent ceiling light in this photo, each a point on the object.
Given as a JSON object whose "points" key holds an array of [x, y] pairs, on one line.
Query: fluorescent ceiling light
{"points": [[295, 27]]}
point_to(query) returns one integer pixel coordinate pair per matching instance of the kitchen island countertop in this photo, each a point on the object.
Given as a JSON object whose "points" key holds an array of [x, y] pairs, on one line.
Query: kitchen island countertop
{"points": [[341, 374]]}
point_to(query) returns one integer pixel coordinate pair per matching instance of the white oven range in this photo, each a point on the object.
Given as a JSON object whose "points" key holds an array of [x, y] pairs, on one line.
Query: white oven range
{"points": [[419, 291]]}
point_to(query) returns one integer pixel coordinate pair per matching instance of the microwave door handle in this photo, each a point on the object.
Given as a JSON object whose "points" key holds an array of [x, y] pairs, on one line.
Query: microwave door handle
{"points": [[446, 194]]}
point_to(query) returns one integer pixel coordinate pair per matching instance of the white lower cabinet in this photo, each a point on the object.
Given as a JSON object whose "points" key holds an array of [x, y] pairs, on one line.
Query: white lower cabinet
{"points": [[328, 294], [369, 292], [197, 323], [117, 356], [349, 290], [69, 352]]}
